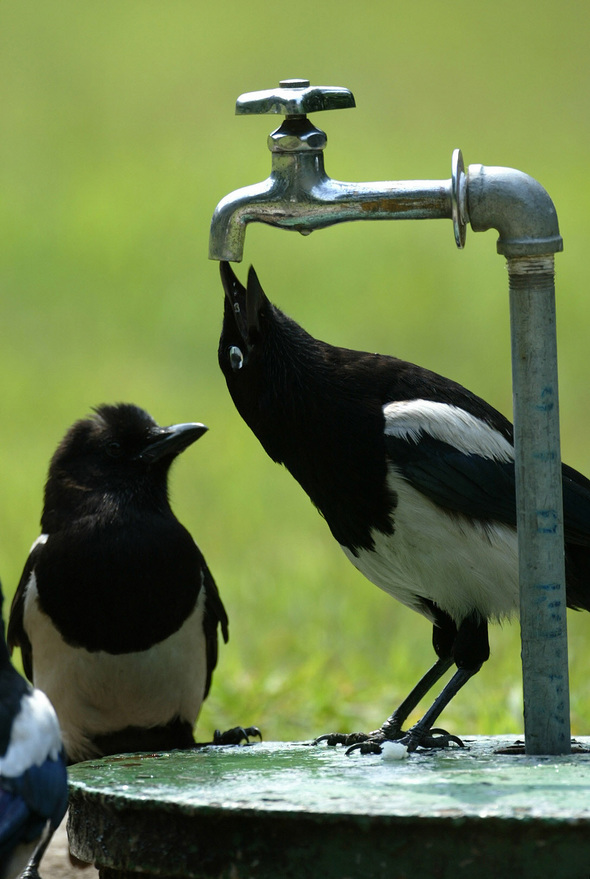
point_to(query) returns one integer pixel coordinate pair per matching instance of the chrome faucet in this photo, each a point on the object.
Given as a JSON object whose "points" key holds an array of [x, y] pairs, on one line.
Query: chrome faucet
{"points": [[299, 195]]}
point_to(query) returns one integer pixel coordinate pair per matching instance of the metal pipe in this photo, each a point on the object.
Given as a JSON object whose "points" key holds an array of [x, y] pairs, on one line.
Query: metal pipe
{"points": [[543, 622], [520, 209], [517, 206]]}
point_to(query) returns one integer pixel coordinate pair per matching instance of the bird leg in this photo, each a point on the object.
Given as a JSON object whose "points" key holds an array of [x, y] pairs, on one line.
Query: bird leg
{"points": [[467, 645], [31, 871], [391, 729], [422, 734]]}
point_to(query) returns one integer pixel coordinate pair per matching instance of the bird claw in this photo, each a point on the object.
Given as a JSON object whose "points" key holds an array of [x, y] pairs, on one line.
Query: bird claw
{"points": [[413, 739], [429, 739], [370, 746], [30, 872], [333, 739], [236, 736]]}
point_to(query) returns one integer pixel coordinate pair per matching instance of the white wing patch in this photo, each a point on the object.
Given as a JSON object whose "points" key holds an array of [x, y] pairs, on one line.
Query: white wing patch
{"points": [[410, 419], [34, 737], [42, 539]]}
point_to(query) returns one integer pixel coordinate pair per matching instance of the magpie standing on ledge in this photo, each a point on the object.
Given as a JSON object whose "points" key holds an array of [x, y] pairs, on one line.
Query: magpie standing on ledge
{"points": [[33, 778], [116, 612], [414, 475]]}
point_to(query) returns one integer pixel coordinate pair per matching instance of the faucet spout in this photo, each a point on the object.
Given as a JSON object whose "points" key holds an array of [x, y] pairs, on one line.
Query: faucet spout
{"points": [[300, 196], [232, 214]]}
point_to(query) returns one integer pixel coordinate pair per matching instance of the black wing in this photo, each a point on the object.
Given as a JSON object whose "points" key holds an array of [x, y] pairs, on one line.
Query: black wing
{"points": [[15, 633], [478, 487], [215, 615]]}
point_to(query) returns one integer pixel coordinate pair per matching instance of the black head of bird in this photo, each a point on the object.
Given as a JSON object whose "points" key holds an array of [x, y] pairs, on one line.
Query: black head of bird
{"points": [[413, 473], [120, 454]]}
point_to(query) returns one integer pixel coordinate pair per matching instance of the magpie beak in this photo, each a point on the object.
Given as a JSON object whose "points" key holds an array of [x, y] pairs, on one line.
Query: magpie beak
{"points": [[245, 302], [170, 441]]}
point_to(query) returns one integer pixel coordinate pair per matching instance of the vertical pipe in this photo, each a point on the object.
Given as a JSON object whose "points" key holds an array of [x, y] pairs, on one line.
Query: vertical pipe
{"points": [[539, 505]]}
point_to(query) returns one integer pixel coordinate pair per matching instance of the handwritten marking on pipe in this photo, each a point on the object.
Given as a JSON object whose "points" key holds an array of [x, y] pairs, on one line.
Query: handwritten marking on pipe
{"points": [[546, 404], [544, 456], [542, 598], [547, 521]]}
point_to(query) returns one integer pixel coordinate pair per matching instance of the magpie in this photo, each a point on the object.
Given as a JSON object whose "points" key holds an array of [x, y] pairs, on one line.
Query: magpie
{"points": [[116, 612], [33, 776], [414, 475]]}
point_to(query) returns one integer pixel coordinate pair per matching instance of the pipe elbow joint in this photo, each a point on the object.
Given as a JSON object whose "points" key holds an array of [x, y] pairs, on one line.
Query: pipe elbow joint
{"points": [[517, 206]]}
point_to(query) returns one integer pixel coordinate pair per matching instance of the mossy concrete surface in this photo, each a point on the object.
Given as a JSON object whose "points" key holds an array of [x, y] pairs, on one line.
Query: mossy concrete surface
{"points": [[291, 810]]}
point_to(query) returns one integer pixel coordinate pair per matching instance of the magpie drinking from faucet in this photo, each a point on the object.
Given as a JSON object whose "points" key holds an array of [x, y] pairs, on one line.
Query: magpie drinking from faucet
{"points": [[33, 778], [414, 475], [116, 612]]}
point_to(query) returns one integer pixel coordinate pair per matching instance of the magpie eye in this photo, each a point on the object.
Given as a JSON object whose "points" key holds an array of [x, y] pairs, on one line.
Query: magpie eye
{"points": [[114, 449], [236, 358]]}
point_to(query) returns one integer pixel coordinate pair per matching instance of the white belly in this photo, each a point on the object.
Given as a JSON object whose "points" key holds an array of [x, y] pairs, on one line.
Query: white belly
{"points": [[95, 693], [459, 565]]}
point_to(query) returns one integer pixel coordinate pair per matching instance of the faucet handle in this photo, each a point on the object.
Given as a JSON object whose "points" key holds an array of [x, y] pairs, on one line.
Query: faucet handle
{"points": [[294, 97]]}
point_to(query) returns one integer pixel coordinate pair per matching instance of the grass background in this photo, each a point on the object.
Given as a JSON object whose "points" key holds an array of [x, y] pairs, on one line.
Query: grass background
{"points": [[119, 138]]}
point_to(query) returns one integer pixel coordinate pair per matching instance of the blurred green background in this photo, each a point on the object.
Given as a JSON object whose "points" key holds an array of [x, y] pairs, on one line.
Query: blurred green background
{"points": [[118, 140]]}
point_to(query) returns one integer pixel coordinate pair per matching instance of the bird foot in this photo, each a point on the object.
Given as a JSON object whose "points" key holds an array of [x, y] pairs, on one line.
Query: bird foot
{"points": [[429, 739], [369, 746], [333, 739], [416, 737], [236, 736]]}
